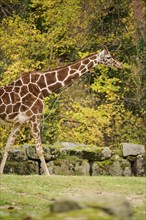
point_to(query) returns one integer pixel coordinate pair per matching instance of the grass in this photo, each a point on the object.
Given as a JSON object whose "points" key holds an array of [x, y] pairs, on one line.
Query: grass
{"points": [[29, 197]]}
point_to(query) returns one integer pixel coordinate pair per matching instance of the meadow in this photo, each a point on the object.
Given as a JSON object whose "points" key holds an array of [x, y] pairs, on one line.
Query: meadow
{"points": [[30, 197]]}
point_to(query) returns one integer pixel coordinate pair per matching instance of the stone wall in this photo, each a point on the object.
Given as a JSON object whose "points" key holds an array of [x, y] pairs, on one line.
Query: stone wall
{"points": [[77, 159]]}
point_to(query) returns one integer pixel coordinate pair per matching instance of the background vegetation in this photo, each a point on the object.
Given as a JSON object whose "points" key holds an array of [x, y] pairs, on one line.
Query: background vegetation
{"points": [[105, 107]]}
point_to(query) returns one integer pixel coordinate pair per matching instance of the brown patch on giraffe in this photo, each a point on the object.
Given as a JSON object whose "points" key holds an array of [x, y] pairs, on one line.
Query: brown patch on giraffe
{"points": [[9, 109], [40, 96], [41, 82], [50, 77], [16, 89], [1, 91], [15, 98], [37, 107], [55, 87], [72, 71], [8, 89], [34, 77], [6, 98], [2, 108], [62, 74], [26, 78], [34, 89], [35, 126], [90, 65], [81, 67], [93, 57], [85, 61], [28, 99], [12, 115], [17, 83], [23, 108], [29, 113], [24, 90], [84, 70], [16, 107], [45, 92]]}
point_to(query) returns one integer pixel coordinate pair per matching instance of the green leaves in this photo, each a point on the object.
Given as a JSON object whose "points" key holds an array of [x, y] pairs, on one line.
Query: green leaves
{"points": [[109, 106]]}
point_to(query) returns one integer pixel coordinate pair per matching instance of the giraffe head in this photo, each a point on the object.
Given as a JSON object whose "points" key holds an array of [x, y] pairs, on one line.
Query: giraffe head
{"points": [[106, 58]]}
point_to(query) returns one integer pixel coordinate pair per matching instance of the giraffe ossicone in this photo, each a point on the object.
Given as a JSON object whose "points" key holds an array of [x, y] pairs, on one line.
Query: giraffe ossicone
{"points": [[23, 100]]}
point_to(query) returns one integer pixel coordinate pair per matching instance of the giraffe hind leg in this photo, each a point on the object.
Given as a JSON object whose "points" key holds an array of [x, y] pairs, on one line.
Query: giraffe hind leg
{"points": [[10, 142], [35, 128]]}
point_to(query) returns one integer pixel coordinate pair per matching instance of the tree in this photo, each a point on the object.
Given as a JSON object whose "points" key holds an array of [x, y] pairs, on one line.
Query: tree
{"points": [[139, 66]]}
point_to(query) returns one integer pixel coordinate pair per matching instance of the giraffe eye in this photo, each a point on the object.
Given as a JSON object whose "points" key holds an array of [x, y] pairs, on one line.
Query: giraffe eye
{"points": [[109, 57]]}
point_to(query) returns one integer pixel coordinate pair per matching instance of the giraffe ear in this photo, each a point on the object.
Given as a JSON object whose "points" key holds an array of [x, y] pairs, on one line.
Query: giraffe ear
{"points": [[102, 53]]}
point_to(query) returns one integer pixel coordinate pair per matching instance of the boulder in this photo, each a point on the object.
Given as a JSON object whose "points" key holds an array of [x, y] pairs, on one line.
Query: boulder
{"points": [[50, 153], [130, 149], [140, 165], [21, 168], [116, 166], [69, 166], [16, 154], [106, 205], [120, 167], [106, 153], [101, 167], [87, 152]]}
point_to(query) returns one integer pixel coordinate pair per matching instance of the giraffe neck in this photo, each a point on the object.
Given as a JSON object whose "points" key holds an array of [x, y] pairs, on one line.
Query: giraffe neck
{"points": [[53, 80], [45, 83]]}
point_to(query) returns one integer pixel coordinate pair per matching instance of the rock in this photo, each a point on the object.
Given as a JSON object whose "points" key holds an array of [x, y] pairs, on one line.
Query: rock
{"points": [[120, 167], [21, 168], [140, 165], [127, 171], [115, 206], [50, 153], [69, 166], [130, 149], [101, 167], [90, 153], [65, 205], [115, 167], [17, 154], [87, 152], [106, 153]]}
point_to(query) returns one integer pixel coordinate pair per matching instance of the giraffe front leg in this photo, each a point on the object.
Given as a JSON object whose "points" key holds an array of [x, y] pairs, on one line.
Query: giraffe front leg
{"points": [[10, 142], [35, 128]]}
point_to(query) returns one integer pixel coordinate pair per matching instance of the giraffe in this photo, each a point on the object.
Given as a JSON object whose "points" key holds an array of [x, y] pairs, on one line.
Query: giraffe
{"points": [[22, 101]]}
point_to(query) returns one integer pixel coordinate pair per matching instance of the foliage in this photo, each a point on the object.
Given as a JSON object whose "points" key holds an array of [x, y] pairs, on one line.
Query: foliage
{"points": [[22, 47], [109, 124], [109, 106], [84, 125]]}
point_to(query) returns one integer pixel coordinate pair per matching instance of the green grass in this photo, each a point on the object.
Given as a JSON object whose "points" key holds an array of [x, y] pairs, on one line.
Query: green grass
{"points": [[30, 196]]}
